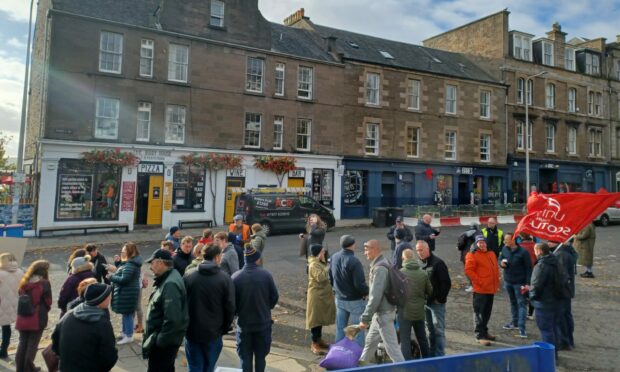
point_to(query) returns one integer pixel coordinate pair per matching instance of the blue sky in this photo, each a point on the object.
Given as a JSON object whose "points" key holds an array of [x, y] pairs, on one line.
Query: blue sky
{"points": [[404, 20]]}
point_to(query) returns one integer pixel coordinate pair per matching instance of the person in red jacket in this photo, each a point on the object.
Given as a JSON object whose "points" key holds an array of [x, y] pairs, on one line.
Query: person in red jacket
{"points": [[35, 283], [482, 269]]}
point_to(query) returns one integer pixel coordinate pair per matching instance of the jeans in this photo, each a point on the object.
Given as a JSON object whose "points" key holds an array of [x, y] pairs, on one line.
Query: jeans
{"points": [[162, 359], [483, 306], [27, 350], [382, 328], [436, 324], [6, 339], [565, 324], [347, 313], [127, 324], [202, 357], [405, 337], [517, 305], [546, 322], [252, 348]]}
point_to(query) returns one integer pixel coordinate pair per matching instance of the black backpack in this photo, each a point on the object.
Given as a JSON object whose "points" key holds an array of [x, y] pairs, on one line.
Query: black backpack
{"points": [[25, 304], [398, 286], [561, 282]]}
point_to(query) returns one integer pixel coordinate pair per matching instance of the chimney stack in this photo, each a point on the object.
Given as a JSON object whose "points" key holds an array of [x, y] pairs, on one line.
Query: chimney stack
{"points": [[294, 18], [617, 38], [556, 33]]}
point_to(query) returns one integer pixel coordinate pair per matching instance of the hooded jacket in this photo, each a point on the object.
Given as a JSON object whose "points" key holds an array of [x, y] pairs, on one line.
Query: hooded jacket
{"points": [[390, 235], [420, 288], [41, 292], [10, 276], [211, 302], [84, 340], [230, 260], [255, 295], [568, 259], [542, 285], [126, 284], [482, 269], [259, 240], [378, 281]]}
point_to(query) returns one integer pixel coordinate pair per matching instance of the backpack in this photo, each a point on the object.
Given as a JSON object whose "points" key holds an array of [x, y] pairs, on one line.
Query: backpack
{"points": [[25, 304], [398, 286], [561, 282]]}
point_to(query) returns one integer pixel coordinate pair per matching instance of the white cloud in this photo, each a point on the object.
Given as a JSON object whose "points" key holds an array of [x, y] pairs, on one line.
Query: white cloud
{"points": [[11, 86], [16, 43], [17, 10]]}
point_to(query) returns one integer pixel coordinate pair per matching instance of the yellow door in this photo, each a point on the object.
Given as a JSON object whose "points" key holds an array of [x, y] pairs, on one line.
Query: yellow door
{"points": [[295, 182], [229, 210], [155, 202]]}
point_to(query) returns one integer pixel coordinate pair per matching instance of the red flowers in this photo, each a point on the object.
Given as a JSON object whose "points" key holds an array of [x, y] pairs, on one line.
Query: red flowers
{"points": [[279, 165], [212, 161], [111, 157]]}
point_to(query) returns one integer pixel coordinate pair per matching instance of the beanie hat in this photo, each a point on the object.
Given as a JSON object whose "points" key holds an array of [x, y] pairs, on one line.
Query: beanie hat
{"points": [[480, 238], [80, 264], [315, 249], [96, 293], [173, 229], [251, 255], [400, 234], [346, 241]]}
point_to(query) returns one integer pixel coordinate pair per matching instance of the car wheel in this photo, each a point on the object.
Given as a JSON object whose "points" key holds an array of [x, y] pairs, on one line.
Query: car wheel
{"points": [[604, 220], [267, 229]]}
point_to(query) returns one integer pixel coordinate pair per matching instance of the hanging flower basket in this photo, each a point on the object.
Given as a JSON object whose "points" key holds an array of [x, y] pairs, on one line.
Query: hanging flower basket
{"points": [[114, 157], [212, 161], [280, 165]]}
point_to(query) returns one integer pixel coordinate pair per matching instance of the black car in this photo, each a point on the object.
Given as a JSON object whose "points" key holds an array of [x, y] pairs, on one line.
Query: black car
{"points": [[280, 212]]}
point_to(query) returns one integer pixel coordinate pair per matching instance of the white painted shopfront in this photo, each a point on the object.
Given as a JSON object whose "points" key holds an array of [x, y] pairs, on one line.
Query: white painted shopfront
{"points": [[160, 189]]}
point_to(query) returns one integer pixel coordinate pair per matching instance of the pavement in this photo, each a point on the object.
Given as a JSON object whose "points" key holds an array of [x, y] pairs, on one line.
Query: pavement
{"points": [[142, 235]]}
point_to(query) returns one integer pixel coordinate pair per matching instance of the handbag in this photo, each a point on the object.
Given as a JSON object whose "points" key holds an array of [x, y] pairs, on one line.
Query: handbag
{"points": [[51, 359]]}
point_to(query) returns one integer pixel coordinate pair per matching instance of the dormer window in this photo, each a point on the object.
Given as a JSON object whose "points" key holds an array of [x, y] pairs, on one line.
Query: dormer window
{"points": [[569, 59], [593, 64], [547, 53], [217, 13], [522, 47]]}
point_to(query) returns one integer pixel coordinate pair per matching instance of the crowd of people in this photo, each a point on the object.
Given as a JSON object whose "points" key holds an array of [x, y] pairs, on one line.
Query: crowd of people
{"points": [[218, 286]]}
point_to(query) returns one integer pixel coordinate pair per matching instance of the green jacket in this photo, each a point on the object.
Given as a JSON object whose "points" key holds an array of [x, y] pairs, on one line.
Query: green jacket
{"points": [[166, 315], [258, 241], [420, 288]]}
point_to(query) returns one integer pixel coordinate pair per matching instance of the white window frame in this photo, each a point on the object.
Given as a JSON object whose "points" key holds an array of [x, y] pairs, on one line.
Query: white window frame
{"points": [[520, 135], [113, 51], [307, 135], [414, 87], [305, 82], [451, 94], [571, 141], [595, 142], [178, 126], [278, 132], [413, 142], [147, 52], [596, 64], [178, 66], [485, 147], [249, 133], [280, 76], [372, 139], [550, 95], [522, 47], [598, 104], [569, 59], [141, 123], [591, 95], [103, 117], [520, 90], [547, 57], [254, 73], [219, 17], [550, 137], [530, 92], [485, 104], [373, 89], [572, 100], [450, 145]]}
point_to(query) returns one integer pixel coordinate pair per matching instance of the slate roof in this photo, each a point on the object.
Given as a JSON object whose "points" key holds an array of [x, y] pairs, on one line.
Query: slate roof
{"points": [[298, 42], [134, 12]]}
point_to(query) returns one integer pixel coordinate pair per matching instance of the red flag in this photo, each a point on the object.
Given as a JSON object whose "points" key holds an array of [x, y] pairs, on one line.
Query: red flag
{"points": [[556, 217]]}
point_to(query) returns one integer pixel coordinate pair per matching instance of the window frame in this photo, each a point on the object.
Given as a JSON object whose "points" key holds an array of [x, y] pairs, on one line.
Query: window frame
{"points": [[595, 142], [520, 90], [254, 77], [278, 121], [373, 88], [173, 64], [525, 47], [570, 56], [99, 117], [181, 125], [411, 94], [521, 136], [485, 155], [450, 144], [219, 17], [142, 107], [550, 140], [307, 135], [571, 140], [280, 69], [148, 59], [591, 95], [195, 175], [451, 101], [485, 107], [530, 92], [118, 53], [550, 55], [246, 131], [310, 89], [411, 141], [376, 139], [598, 104], [550, 95], [572, 100]]}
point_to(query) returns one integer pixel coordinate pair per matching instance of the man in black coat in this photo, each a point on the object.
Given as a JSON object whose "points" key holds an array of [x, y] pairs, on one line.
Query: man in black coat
{"points": [[211, 304], [399, 225], [84, 339], [183, 255], [567, 257], [99, 263], [424, 231]]}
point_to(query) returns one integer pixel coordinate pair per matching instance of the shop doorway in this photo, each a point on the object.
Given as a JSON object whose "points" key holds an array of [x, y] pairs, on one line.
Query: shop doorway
{"points": [[464, 190], [388, 189], [150, 194], [156, 200], [229, 207], [548, 181]]}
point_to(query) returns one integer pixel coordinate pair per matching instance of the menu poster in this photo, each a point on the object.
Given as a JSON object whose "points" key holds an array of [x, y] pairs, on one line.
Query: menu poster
{"points": [[128, 195], [167, 196], [75, 196]]}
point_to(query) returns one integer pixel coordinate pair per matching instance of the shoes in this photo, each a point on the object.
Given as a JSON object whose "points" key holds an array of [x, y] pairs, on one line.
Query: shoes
{"points": [[125, 340], [522, 333], [323, 344], [587, 274], [530, 317], [138, 328], [469, 289], [316, 349], [509, 326], [490, 337], [484, 342]]}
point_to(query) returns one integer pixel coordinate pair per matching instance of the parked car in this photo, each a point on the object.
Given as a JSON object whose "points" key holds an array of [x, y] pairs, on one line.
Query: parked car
{"points": [[280, 212], [611, 214]]}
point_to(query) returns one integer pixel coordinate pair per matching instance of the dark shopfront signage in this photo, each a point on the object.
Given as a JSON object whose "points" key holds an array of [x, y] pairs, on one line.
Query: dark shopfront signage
{"points": [[322, 186], [465, 170]]}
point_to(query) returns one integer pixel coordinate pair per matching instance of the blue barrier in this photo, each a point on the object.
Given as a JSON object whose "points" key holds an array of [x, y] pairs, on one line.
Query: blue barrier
{"points": [[538, 357]]}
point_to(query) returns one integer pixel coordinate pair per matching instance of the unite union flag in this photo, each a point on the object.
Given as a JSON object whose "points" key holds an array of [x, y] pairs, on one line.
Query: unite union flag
{"points": [[557, 217]]}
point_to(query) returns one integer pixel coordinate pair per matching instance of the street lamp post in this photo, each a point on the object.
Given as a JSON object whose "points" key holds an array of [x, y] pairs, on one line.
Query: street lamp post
{"points": [[527, 133]]}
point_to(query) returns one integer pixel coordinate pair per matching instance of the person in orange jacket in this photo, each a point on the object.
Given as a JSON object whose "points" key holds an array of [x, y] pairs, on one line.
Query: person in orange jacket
{"points": [[240, 229], [482, 269]]}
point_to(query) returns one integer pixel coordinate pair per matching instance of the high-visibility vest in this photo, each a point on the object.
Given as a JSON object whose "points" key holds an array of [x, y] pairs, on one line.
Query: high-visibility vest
{"points": [[500, 236]]}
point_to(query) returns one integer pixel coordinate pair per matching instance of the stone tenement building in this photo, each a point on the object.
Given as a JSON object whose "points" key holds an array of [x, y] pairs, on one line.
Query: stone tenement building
{"points": [[572, 94], [162, 79]]}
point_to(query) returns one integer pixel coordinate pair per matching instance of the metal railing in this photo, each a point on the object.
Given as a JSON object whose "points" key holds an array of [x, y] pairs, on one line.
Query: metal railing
{"points": [[466, 210]]}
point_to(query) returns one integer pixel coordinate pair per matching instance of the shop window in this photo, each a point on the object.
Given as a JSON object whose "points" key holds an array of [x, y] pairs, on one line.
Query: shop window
{"points": [[188, 188], [477, 190], [443, 190], [518, 191], [87, 191], [494, 192], [355, 187], [323, 186]]}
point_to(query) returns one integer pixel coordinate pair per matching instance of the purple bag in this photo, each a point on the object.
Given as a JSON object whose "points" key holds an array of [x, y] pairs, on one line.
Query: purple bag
{"points": [[343, 354]]}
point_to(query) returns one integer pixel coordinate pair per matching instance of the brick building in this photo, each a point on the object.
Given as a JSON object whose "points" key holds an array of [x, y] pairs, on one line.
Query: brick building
{"points": [[571, 128], [613, 73]]}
